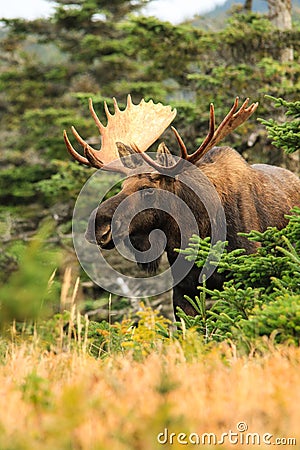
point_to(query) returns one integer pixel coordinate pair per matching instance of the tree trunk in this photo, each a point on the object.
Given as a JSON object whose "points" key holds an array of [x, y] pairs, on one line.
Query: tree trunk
{"points": [[248, 5], [280, 13]]}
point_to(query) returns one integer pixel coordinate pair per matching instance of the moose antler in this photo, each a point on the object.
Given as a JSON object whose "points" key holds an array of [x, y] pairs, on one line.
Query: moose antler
{"points": [[139, 125], [233, 120]]}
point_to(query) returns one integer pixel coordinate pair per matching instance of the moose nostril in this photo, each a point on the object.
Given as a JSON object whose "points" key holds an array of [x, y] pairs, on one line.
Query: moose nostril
{"points": [[104, 234]]}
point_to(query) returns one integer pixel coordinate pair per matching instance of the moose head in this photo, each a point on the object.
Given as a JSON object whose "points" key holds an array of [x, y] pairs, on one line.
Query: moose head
{"points": [[251, 197]]}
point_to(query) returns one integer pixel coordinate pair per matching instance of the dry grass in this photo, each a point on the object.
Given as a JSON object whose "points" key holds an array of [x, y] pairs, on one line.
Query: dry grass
{"points": [[64, 399], [70, 400]]}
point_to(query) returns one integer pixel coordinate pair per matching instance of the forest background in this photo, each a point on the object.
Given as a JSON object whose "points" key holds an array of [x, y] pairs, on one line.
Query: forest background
{"points": [[49, 68], [68, 378]]}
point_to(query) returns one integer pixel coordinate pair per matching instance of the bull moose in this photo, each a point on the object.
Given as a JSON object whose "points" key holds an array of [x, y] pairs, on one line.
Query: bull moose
{"points": [[253, 197]]}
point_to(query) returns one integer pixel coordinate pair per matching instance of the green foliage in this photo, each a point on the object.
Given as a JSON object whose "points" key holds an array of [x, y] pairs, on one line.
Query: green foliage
{"points": [[279, 319], [200, 249], [64, 184], [22, 182], [140, 339], [27, 294], [117, 53], [285, 135], [261, 296], [69, 330], [46, 126], [8, 264], [35, 390]]}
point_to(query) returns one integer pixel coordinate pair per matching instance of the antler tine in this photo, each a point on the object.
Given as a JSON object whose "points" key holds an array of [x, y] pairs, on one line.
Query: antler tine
{"points": [[142, 123], [116, 106], [161, 169], [90, 158], [232, 120], [129, 101], [215, 136], [145, 157], [183, 150], [79, 138], [73, 152], [107, 111], [233, 113], [98, 164], [99, 124], [89, 152], [202, 149]]}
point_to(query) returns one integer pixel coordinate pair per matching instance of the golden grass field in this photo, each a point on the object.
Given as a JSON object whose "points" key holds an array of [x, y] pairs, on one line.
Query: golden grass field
{"points": [[144, 390], [69, 400]]}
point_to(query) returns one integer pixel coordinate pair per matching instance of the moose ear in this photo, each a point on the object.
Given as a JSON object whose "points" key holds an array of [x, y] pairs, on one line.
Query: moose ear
{"points": [[164, 156], [128, 156]]}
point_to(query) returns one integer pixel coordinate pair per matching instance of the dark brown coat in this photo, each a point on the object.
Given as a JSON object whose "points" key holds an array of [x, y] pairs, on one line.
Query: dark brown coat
{"points": [[253, 197]]}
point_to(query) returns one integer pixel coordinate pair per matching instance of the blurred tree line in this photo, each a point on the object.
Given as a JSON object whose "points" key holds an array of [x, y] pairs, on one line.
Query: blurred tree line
{"points": [[49, 68]]}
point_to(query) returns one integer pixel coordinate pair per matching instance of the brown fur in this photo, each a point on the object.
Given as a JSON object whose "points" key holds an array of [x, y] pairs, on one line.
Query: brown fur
{"points": [[253, 197]]}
